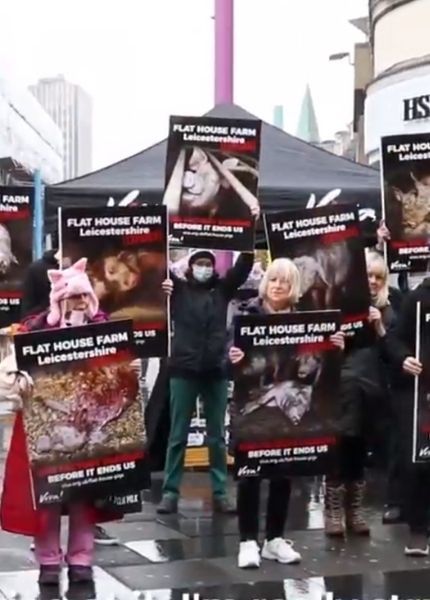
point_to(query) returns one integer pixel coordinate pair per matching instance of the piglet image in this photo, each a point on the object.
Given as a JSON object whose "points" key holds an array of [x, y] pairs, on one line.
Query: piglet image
{"points": [[6, 256]]}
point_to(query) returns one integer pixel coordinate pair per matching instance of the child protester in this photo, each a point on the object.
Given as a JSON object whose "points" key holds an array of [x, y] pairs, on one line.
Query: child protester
{"points": [[72, 303]]}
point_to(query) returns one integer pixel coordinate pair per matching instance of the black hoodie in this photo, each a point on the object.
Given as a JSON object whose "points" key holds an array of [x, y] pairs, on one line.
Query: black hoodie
{"points": [[36, 286]]}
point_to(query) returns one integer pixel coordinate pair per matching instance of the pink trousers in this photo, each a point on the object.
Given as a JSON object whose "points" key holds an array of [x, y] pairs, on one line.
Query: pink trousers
{"points": [[81, 538]]}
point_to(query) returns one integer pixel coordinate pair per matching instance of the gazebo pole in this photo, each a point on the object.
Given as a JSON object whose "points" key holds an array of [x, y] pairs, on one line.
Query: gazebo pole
{"points": [[224, 51]]}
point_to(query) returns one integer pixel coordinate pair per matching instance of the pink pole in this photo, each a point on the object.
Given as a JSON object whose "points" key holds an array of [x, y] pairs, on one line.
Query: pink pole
{"points": [[224, 51]]}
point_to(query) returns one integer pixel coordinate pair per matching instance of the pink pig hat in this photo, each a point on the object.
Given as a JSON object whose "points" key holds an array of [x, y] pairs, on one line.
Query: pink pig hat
{"points": [[67, 283]]}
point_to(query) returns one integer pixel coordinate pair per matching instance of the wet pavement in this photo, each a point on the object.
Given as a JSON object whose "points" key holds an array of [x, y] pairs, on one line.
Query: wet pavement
{"points": [[194, 553]]}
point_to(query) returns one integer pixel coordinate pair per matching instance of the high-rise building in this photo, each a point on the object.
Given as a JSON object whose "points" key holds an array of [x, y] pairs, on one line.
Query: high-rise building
{"points": [[71, 108], [29, 139]]}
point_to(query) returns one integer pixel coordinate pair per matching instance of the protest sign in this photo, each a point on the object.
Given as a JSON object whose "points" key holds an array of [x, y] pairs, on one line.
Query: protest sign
{"points": [[126, 250], [285, 401], [326, 246], [212, 173], [16, 248], [84, 420], [406, 200]]}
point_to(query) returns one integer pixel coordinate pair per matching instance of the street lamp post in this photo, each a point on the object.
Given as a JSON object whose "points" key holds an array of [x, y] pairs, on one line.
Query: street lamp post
{"points": [[224, 51]]}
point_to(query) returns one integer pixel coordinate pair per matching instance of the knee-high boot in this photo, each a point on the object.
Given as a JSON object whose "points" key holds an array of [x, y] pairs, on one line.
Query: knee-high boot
{"points": [[354, 506], [334, 509]]}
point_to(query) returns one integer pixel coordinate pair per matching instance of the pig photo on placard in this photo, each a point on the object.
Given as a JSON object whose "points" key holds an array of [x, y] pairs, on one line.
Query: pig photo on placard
{"points": [[126, 250], [285, 391], [85, 407], [16, 248], [327, 247], [212, 173], [406, 200]]}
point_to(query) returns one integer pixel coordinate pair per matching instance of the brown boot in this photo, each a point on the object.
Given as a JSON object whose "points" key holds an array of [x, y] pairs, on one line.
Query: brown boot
{"points": [[334, 512], [355, 521]]}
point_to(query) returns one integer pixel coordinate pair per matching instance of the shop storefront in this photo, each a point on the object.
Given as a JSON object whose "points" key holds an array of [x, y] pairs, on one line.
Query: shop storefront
{"points": [[398, 102]]}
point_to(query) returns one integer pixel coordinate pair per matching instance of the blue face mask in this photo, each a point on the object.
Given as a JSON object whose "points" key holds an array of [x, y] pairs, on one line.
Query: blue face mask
{"points": [[202, 274]]}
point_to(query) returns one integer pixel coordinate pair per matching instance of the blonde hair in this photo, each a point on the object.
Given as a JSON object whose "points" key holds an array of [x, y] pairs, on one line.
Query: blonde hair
{"points": [[375, 260], [284, 268]]}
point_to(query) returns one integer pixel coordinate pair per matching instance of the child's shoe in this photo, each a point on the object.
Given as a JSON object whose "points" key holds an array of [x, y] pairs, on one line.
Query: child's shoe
{"points": [[80, 574], [49, 574]]}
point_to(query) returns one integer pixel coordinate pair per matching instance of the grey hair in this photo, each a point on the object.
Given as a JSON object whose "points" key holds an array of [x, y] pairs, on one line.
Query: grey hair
{"points": [[374, 259], [284, 268]]}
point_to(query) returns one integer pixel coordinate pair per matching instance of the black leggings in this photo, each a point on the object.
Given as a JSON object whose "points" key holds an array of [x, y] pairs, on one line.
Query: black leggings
{"points": [[351, 461], [248, 504], [416, 488]]}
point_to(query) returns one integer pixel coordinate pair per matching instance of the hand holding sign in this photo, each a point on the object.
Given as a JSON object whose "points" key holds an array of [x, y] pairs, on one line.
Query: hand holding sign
{"points": [[412, 366]]}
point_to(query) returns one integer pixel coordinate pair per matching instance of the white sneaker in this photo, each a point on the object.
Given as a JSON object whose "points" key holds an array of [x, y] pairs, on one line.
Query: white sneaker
{"points": [[280, 550], [249, 555]]}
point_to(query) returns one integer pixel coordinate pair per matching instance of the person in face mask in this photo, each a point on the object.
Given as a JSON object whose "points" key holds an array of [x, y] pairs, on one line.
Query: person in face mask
{"points": [[198, 367]]}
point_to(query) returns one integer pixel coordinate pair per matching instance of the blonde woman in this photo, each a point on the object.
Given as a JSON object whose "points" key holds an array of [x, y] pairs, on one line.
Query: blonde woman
{"points": [[278, 293], [366, 410], [388, 302]]}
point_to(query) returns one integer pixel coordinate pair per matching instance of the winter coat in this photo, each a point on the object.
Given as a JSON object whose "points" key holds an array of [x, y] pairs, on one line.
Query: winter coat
{"points": [[199, 314], [17, 511], [365, 388], [36, 285], [401, 344]]}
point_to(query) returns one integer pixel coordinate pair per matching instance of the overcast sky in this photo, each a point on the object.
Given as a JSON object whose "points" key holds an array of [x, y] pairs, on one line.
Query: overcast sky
{"points": [[142, 60]]}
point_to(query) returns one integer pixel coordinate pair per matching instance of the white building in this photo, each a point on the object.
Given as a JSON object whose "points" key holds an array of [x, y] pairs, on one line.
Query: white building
{"points": [[71, 108], [29, 138], [398, 98]]}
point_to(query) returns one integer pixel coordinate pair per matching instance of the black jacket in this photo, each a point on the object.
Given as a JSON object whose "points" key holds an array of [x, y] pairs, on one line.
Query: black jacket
{"points": [[199, 313], [402, 343], [36, 285], [402, 340], [365, 385]]}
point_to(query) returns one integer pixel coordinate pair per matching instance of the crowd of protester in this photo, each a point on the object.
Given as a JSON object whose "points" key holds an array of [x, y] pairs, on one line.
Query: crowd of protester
{"points": [[375, 398]]}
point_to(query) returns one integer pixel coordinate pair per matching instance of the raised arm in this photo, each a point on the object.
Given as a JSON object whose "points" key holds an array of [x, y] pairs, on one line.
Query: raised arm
{"points": [[238, 274]]}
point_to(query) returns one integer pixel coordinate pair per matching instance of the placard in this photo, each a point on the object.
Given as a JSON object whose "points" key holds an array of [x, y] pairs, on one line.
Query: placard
{"points": [[126, 250], [212, 173], [16, 248], [84, 421], [406, 200], [326, 246], [286, 401]]}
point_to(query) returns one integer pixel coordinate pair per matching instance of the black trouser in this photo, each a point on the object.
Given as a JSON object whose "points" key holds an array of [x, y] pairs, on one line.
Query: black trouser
{"points": [[417, 499], [394, 492], [248, 505], [351, 460]]}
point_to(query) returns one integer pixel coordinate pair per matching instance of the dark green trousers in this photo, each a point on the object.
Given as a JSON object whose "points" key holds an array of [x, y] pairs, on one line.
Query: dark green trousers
{"points": [[183, 396]]}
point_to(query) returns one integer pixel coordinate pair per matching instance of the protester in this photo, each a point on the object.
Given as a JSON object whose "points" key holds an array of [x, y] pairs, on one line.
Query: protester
{"points": [[393, 508], [278, 293], [415, 477], [72, 302], [365, 410], [35, 299], [198, 367], [412, 479]]}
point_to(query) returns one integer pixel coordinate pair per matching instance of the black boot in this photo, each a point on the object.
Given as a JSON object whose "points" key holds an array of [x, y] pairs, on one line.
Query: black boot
{"points": [[49, 574], [80, 574]]}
